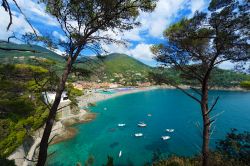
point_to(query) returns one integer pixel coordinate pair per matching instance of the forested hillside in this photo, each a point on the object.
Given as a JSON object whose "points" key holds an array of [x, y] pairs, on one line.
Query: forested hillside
{"points": [[116, 68], [23, 73], [21, 110]]}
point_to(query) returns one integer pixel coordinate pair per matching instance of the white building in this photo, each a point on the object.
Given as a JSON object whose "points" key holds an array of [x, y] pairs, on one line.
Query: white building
{"points": [[49, 97]]}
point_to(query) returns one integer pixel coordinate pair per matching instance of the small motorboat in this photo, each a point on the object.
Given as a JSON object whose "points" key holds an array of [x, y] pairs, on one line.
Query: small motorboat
{"points": [[149, 115], [138, 134], [105, 108], [142, 124], [120, 153], [165, 137], [170, 130], [121, 124]]}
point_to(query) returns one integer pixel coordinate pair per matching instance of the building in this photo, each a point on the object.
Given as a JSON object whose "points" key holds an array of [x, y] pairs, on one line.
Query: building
{"points": [[49, 97]]}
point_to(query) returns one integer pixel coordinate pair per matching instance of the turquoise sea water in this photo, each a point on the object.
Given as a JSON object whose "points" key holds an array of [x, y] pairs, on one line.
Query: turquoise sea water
{"points": [[169, 109]]}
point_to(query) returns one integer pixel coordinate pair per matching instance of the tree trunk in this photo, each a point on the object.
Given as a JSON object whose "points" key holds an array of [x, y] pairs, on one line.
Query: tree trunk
{"points": [[206, 124], [52, 115]]}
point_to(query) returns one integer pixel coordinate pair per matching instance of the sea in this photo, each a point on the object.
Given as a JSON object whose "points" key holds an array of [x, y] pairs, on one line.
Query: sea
{"points": [[159, 109]]}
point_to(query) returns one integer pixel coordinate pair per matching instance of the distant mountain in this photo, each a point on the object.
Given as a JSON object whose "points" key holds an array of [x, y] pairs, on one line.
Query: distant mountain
{"points": [[118, 68], [16, 56], [119, 63]]}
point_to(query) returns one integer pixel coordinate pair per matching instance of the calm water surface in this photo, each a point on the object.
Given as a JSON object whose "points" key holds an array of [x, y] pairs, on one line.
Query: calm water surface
{"points": [[169, 109]]}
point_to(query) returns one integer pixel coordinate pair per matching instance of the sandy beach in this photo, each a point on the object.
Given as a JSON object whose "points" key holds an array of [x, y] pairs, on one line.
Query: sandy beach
{"points": [[62, 129], [66, 132], [96, 97]]}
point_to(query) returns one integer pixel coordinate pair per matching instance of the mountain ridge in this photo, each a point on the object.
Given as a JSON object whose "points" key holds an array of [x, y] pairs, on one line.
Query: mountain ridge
{"points": [[114, 67]]}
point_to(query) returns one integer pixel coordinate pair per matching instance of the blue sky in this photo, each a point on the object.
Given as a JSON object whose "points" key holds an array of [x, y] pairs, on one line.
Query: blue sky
{"points": [[139, 39]]}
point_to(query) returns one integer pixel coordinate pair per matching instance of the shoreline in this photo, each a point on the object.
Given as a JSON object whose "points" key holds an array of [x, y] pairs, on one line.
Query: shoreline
{"points": [[62, 130], [86, 116], [97, 97]]}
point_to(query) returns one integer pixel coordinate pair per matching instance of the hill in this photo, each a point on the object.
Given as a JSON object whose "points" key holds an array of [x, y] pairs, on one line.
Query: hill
{"points": [[16, 56], [124, 69], [118, 68]]}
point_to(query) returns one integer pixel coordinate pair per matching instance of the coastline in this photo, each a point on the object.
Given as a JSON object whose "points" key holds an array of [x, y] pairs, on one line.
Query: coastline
{"points": [[62, 130], [96, 97], [67, 131], [86, 116]]}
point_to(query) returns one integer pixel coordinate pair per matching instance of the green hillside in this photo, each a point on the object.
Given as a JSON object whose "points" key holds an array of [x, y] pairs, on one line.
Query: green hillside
{"points": [[118, 68], [118, 63], [124, 69], [16, 56]]}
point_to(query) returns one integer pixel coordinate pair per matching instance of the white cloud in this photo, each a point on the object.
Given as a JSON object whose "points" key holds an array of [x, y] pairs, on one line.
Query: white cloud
{"points": [[196, 5], [152, 24], [166, 11], [157, 21], [142, 52], [59, 52], [227, 65], [19, 25], [59, 36], [36, 11], [133, 35]]}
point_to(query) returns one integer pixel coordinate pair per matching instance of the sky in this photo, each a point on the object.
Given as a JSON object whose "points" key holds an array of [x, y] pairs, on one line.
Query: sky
{"points": [[139, 39]]}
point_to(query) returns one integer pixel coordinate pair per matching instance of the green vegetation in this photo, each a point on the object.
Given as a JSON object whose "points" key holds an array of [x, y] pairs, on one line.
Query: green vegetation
{"points": [[219, 78], [72, 94], [21, 110], [6, 162], [18, 56], [245, 84], [228, 78], [233, 150], [123, 69], [117, 68]]}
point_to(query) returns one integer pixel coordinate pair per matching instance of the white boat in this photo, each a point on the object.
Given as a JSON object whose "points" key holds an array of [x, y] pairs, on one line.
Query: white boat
{"points": [[121, 124], [120, 153], [170, 130], [105, 108], [142, 124], [165, 137], [138, 134], [149, 115]]}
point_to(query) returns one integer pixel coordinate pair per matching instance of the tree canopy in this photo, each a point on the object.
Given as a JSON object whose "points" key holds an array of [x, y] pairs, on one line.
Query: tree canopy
{"points": [[196, 46], [85, 23], [207, 39]]}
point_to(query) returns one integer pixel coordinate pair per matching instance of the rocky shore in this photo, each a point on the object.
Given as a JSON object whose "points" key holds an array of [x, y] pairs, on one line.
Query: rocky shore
{"points": [[63, 130]]}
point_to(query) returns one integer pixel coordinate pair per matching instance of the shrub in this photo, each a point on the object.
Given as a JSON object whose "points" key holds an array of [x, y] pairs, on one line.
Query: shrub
{"points": [[6, 162], [245, 84], [234, 150]]}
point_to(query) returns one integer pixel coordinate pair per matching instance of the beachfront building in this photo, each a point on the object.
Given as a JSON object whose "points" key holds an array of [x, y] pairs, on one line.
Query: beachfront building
{"points": [[49, 97], [81, 85]]}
